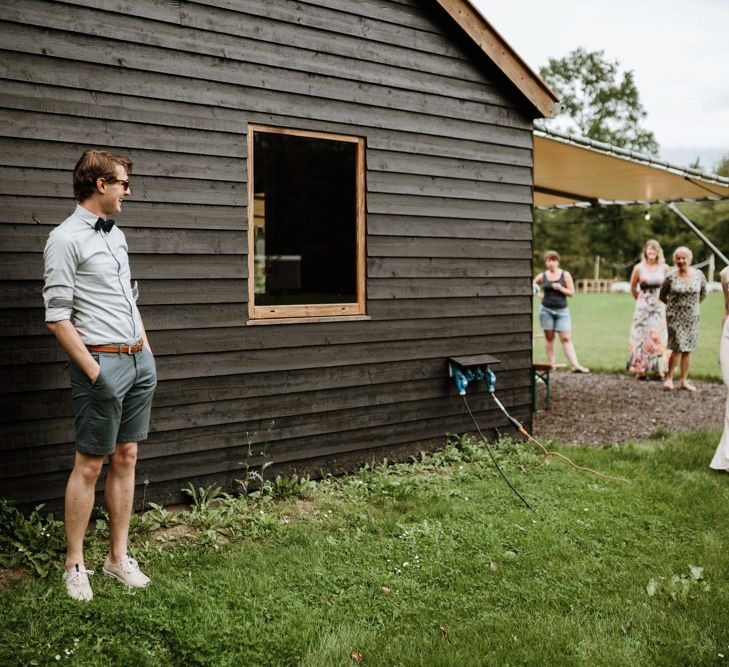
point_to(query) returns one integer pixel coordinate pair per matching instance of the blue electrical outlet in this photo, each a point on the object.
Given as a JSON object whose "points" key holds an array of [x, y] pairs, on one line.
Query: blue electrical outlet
{"points": [[465, 370]]}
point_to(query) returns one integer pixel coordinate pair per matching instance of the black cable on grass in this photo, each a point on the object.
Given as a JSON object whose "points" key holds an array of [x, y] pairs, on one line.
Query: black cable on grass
{"points": [[491, 454]]}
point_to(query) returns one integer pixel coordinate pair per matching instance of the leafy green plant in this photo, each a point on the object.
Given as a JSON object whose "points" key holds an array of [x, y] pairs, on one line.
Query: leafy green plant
{"points": [[291, 486], [253, 483], [679, 586], [101, 524], [36, 541], [253, 472], [203, 498], [157, 517]]}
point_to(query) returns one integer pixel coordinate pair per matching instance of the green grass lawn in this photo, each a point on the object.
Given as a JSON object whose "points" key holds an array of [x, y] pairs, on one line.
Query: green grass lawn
{"points": [[601, 333], [435, 563]]}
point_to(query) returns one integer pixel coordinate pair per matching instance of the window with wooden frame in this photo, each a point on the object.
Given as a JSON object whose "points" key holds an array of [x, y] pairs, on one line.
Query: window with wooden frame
{"points": [[306, 225]]}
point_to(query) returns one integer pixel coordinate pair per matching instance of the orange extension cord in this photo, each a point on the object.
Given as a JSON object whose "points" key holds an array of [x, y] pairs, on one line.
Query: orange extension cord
{"points": [[547, 453]]}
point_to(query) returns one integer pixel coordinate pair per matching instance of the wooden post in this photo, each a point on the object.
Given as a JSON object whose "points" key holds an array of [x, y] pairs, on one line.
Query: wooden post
{"points": [[712, 267], [597, 267]]}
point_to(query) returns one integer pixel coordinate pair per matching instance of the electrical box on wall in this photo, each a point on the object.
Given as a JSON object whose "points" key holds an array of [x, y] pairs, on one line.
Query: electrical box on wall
{"points": [[473, 368]]}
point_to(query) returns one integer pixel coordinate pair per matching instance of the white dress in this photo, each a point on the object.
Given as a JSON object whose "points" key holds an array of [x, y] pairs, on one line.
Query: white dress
{"points": [[721, 457]]}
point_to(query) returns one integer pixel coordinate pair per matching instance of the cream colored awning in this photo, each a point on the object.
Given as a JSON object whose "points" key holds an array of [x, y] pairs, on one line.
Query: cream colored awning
{"points": [[571, 171]]}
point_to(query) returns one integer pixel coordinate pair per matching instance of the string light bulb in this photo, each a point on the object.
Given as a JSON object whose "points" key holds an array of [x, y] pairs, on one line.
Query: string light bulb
{"points": [[647, 214]]}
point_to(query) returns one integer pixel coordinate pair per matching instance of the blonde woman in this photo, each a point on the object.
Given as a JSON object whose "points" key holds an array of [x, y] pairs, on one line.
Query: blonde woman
{"points": [[721, 457], [682, 292], [648, 335], [554, 315]]}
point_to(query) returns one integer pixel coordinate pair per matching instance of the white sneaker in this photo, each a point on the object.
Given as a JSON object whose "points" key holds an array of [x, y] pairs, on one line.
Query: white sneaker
{"points": [[127, 571], [77, 583]]}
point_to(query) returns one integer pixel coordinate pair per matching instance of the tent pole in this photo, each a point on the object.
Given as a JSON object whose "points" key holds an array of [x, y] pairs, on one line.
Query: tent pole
{"points": [[698, 232]]}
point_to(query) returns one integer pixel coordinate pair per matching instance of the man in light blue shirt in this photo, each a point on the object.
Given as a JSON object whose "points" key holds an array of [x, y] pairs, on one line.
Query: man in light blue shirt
{"points": [[91, 309]]}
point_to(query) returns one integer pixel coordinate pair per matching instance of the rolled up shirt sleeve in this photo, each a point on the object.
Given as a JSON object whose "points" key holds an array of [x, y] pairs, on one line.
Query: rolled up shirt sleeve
{"points": [[60, 258]]}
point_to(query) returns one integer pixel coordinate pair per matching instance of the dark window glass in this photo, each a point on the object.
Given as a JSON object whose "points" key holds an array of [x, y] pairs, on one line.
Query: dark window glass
{"points": [[305, 220]]}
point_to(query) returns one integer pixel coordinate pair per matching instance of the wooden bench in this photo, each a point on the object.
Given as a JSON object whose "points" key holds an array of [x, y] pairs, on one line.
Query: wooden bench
{"points": [[541, 372]]}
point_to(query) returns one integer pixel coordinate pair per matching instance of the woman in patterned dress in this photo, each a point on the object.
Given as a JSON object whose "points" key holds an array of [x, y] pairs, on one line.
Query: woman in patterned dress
{"points": [[721, 457], [648, 335], [682, 291]]}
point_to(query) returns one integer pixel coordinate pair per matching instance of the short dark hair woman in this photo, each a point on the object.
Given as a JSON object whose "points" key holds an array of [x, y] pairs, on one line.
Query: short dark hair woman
{"points": [[554, 315]]}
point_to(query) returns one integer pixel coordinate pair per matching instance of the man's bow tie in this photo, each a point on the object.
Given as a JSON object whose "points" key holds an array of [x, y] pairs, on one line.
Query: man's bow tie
{"points": [[106, 225]]}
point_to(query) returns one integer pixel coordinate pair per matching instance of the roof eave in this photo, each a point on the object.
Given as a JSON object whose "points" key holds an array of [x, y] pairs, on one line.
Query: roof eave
{"points": [[539, 95]]}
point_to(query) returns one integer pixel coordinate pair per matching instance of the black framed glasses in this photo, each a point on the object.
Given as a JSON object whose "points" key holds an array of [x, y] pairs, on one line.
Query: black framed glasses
{"points": [[118, 180]]}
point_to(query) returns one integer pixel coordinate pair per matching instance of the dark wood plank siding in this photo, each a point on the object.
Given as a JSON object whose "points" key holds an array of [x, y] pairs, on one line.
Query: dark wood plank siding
{"points": [[174, 84]]}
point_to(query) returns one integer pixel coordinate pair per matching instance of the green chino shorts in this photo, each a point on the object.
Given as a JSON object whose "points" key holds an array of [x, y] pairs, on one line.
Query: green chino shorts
{"points": [[117, 407]]}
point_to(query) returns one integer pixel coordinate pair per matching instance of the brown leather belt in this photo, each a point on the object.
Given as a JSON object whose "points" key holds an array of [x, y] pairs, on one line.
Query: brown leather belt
{"points": [[117, 348]]}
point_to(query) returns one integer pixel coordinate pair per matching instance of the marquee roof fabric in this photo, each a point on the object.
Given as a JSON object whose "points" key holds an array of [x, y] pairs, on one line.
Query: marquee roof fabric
{"points": [[571, 171]]}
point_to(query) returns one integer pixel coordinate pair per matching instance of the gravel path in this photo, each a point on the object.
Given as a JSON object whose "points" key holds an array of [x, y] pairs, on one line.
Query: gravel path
{"points": [[602, 409]]}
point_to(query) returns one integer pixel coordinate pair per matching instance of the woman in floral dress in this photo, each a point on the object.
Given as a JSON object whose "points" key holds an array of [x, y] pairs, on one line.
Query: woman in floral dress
{"points": [[682, 291], [648, 335]]}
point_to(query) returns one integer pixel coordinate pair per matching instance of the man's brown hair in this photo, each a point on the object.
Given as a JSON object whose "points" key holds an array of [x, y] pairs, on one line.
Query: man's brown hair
{"points": [[92, 165]]}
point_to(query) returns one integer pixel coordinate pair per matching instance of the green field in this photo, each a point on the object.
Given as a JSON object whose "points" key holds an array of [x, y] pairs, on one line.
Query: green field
{"points": [[601, 332], [434, 563]]}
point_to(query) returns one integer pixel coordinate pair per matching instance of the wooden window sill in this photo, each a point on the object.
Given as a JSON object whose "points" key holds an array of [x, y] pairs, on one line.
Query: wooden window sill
{"points": [[307, 320]]}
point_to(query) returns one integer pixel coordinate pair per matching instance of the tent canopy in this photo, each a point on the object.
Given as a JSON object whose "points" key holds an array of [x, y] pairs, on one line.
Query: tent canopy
{"points": [[571, 171]]}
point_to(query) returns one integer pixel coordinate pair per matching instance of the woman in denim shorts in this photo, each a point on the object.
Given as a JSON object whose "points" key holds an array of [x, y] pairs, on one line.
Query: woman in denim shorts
{"points": [[554, 315]]}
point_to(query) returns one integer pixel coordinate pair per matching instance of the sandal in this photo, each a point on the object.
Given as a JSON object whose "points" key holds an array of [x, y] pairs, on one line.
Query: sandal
{"points": [[581, 369], [668, 385], [687, 386]]}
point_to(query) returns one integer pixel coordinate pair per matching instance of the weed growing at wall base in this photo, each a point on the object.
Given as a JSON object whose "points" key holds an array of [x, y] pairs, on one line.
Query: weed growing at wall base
{"points": [[36, 541]]}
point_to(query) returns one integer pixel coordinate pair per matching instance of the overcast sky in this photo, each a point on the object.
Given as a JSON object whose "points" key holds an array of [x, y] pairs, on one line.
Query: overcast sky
{"points": [[678, 50]]}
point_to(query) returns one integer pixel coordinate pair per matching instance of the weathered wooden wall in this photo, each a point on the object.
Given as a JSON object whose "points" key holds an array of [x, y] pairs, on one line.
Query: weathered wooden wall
{"points": [[173, 84]]}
